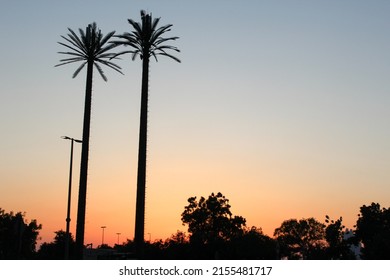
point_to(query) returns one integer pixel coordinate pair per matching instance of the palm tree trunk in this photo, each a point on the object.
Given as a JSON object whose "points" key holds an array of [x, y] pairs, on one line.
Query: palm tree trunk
{"points": [[141, 176], [80, 227]]}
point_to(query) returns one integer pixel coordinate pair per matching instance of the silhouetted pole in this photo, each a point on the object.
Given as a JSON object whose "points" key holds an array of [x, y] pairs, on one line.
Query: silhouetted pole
{"points": [[103, 227], [67, 241], [118, 233]]}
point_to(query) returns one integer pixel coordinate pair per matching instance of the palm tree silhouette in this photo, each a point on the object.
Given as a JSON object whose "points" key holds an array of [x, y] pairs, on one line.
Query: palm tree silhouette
{"points": [[145, 41], [91, 48]]}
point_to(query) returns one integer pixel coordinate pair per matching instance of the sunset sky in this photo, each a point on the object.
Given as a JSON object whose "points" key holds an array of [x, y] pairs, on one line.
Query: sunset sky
{"points": [[283, 106]]}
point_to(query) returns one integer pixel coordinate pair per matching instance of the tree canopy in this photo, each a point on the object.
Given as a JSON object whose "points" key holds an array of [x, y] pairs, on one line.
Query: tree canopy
{"points": [[56, 250], [210, 220], [90, 46], [300, 239], [211, 223], [339, 247], [373, 230], [18, 237]]}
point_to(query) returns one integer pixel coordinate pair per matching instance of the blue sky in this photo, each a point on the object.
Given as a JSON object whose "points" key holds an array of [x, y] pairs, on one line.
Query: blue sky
{"points": [[283, 106]]}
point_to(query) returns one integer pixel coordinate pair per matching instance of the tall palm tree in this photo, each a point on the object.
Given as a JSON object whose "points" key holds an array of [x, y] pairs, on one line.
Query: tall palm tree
{"points": [[91, 49], [146, 41]]}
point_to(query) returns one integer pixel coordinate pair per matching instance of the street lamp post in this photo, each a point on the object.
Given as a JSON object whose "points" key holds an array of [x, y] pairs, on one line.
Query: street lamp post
{"points": [[150, 237], [67, 242], [103, 227], [118, 233]]}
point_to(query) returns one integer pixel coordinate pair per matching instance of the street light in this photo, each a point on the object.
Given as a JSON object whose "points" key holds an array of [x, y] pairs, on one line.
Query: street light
{"points": [[118, 233], [103, 227], [69, 195]]}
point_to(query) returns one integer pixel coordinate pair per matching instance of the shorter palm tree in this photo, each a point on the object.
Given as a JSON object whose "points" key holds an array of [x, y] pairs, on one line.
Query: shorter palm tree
{"points": [[91, 49]]}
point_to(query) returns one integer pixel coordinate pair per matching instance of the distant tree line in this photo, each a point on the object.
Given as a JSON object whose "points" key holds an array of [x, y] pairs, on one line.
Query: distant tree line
{"points": [[215, 233]]}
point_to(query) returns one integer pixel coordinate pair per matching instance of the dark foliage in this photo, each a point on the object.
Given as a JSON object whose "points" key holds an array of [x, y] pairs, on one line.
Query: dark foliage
{"points": [[303, 239], [338, 246], [373, 230], [211, 224], [18, 238], [56, 249], [252, 245]]}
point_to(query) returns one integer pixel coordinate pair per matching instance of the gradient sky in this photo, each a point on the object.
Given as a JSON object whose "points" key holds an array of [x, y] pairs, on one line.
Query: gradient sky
{"points": [[283, 106]]}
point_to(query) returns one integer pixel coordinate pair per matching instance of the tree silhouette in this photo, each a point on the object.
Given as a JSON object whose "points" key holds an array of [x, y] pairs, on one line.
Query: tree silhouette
{"points": [[253, 244], [373, 230], [146, 41], [18, 238], [91, 48], [338, 247], [211, 224], [177, 247], [303, 239], [55, 250]]}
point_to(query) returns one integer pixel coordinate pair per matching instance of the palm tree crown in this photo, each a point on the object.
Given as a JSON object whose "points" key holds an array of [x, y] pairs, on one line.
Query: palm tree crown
{"points": [[90, 46], [146, 39]]}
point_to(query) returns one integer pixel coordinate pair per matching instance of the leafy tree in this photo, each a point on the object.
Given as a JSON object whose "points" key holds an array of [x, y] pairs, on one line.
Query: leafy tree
{"points": [[338, 247], [179, 237], [18, 238], [373, 230], [104, 246], [253, 244], [177, 246], [56, 250], [145, 40], [211, 223], [303, 239], [91, 49]]}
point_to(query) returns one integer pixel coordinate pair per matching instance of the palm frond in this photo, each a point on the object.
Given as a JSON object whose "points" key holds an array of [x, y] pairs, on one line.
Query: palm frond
{"points": [[136, 26], [164, 47], [170, 56], [73, 59], [155, 23], [134, 56], [71, 54], [127, 38], [163, 40], [154, 54], [75, 48], [63, 63], [106, 38], [100, 70], [159, 32], [78, 70], [74, 38], [112, 66], [89, 45], [145, 39], [105, 49]]}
